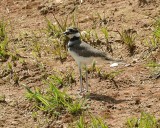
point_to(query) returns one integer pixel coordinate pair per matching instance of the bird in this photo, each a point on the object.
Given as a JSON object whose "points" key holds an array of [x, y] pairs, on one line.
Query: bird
{"points": [[83, 53]]}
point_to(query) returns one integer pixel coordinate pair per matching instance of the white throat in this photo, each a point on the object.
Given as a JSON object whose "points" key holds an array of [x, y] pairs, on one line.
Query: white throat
{"points": [[74, 35]]}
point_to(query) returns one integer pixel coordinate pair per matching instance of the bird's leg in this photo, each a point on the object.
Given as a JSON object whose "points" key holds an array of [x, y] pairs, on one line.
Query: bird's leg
{"points": [[86, 78], [80, 72]]}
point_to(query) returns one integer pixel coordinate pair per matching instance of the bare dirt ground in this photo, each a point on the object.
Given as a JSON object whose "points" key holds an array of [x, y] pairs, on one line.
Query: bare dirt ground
{"points": [[137, 90]]}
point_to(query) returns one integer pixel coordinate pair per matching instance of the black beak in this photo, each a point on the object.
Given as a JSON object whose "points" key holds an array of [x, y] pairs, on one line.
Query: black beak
{"points": [[66, 33]]}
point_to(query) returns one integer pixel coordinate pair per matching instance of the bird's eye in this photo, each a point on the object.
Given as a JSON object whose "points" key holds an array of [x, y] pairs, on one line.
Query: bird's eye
{"points": [[71, 30]]}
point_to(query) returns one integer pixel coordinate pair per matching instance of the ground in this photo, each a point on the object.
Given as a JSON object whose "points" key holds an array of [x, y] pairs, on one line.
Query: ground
{"points": [[136, 88]]}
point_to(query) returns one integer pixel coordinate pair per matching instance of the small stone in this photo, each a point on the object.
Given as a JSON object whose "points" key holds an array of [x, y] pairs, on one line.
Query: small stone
{"points": [[114, 65], [127, 65]]}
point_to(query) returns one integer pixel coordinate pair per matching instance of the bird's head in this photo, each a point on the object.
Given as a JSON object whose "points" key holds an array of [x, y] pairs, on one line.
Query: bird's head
{"points": [[72, 32]]}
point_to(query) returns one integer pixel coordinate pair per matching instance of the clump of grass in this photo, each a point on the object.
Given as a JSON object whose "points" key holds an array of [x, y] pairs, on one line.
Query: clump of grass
{"points": [[59, 51], [91, 36], [94, 70], [97, 71], [95, 122], [8, 70], [154, 41], [98, 122], [106, 36], [61, 79], [54, 101], [57, 79], [3, 41], [75, 107], [59, 42], [36, 45], [103, 75], [99, 20], [128, 38], [110, 75], [53, 29], [47, 102], [10, 67], [145, 121], [95, 39], [156, 31], [81, 123], [154, 69], [3, 33], [153, 64], [102, 19]]}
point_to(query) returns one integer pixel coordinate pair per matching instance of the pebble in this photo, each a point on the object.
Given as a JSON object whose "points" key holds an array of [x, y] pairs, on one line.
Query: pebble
{"points": [[114, 65]]}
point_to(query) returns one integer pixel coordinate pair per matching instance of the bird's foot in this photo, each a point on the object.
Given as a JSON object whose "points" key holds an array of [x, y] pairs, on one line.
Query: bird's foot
{"points": [[83, 93]]}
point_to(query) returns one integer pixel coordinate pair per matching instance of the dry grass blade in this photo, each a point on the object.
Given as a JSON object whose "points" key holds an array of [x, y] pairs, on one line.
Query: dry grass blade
{"points": [[128, 38]]}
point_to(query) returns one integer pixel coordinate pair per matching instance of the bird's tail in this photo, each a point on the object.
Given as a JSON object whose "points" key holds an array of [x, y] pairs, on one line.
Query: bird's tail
{"points": [[119, 61]]}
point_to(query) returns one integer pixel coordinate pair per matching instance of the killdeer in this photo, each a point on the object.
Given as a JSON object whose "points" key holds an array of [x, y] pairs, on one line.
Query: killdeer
{"points": [[83, 53]]}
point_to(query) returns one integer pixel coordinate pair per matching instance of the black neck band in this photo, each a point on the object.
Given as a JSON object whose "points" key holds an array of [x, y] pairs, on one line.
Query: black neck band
{"points": [[75, 38]]}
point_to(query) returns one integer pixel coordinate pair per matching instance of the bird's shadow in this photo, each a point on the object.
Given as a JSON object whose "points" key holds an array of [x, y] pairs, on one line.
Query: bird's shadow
{"points": [[105, 98]]}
